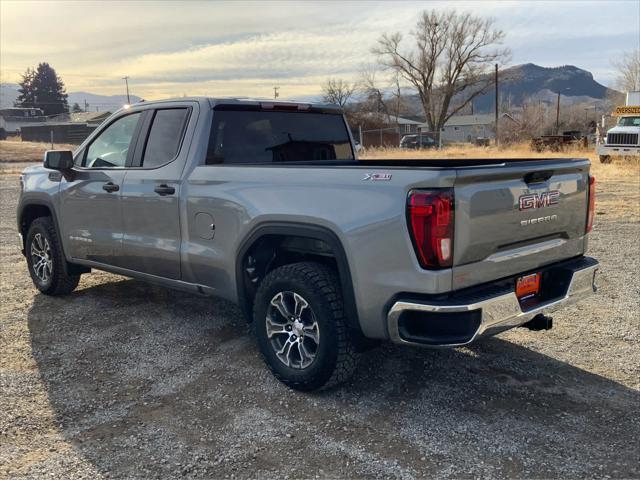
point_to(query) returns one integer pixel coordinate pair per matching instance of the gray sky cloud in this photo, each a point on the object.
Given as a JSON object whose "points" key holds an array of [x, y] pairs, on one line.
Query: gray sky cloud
{"points": [[222, 48]]}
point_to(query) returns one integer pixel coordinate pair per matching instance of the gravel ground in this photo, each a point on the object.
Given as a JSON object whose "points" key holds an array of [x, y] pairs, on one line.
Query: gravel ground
{"points": [[122, 379]]}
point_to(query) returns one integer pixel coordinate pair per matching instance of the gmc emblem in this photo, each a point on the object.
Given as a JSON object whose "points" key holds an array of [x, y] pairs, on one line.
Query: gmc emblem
{"points": [[539, 200]]}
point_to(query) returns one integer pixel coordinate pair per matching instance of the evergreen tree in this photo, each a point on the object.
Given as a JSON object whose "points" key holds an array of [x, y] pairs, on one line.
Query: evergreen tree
{"points": [[25, 97], [43, 89]]}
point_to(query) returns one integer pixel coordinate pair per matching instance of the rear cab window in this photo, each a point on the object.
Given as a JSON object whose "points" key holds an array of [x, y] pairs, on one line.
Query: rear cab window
{"points": [[165, 136], [267, 136]]}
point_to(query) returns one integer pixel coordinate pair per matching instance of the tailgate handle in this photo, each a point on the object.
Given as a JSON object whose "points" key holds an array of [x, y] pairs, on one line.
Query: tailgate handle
{"points": [[537, 177]]}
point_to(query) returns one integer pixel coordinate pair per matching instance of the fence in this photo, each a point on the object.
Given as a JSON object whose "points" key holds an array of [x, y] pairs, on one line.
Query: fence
{"points": [[382, 137], [390, 137]]}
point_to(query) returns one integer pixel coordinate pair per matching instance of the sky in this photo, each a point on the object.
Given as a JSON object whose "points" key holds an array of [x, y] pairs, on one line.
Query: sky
{"points": [[222, 48]]}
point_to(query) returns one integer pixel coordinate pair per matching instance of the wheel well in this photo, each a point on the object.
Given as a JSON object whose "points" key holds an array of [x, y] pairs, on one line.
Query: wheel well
{"points": [[272, 251], [29, 214], [35, 210], [273, 245]]}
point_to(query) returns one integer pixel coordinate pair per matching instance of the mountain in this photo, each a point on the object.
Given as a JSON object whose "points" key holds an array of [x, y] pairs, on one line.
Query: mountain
{"points": [[103, 103], [8, 94], [533, 82]]}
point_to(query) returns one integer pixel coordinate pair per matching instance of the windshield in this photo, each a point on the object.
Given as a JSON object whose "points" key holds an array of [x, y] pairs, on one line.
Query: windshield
{"points": [[248, 136], [629, 122]]}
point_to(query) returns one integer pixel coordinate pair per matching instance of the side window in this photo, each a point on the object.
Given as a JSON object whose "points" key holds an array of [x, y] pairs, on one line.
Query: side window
{"points": [[165, 136], [110, 148]]}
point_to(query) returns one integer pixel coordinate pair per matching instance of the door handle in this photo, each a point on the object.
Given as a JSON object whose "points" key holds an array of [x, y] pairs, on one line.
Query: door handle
{"points": [[110, 187], [164, 189]]}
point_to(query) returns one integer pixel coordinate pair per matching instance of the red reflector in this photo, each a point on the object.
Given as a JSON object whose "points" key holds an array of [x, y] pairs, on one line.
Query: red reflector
{"points": [[430, 219], [592, 204]]}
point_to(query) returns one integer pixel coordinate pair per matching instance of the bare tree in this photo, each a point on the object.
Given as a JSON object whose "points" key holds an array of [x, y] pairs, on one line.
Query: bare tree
{"points": [[337, 91], [628, 69], [448, 63], [374, 98]]}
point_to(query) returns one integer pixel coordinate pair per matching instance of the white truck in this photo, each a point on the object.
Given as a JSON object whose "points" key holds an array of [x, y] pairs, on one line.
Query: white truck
{"points": [[624, 138]]}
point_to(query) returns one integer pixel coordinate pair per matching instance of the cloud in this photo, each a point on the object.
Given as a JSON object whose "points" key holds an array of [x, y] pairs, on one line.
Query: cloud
{"points": [[244, 48]]}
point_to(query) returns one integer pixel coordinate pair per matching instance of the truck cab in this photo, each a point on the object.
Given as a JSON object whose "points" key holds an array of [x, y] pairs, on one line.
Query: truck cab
{"points": [[624, 138]]}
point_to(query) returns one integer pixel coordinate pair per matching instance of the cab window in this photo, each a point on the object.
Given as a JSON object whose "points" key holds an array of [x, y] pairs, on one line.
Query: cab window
{"points": [[111, 147], [629, 122], [165, 136], [243, 136]]}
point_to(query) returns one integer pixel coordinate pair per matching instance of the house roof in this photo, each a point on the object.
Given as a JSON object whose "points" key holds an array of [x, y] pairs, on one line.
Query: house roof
{"points": [[83, 117], [470, 120], [463, 120], [392, 119]]}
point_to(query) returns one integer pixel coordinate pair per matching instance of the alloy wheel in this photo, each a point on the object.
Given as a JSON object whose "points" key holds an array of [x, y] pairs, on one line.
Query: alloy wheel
{"points": [[292, 330], [41, 257]]}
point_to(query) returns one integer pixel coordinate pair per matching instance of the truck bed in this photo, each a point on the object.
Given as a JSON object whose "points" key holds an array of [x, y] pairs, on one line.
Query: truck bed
{"points": [[437, 163]]}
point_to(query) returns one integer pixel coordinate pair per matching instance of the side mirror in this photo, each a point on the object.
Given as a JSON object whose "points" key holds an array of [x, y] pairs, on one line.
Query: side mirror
{"points": [[58, 160]]}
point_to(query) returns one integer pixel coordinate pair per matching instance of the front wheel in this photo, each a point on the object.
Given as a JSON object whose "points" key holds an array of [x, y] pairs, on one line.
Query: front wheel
{"points": [[46, 261], [299, 322]]}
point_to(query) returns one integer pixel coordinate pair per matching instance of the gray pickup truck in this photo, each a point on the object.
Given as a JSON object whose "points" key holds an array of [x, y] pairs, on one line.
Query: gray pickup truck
{"points": [[265, 204]]}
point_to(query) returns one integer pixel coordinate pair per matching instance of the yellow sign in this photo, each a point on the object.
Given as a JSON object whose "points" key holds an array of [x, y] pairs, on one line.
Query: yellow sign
{"points": [[629, 110]]}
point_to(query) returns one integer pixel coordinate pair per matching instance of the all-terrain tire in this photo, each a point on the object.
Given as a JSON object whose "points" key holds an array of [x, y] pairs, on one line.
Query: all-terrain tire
{"points": [[58, 281], [336, 358]]}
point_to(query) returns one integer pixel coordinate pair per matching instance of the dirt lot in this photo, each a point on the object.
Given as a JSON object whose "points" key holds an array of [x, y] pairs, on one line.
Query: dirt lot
{"points": [[121, 379], [15, 150]]}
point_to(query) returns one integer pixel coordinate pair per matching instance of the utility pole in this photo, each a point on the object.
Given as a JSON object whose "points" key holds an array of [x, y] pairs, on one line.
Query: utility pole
{"points": [[558, 115], [86, 105], [496, 104], [126, 82], [275, 92]]}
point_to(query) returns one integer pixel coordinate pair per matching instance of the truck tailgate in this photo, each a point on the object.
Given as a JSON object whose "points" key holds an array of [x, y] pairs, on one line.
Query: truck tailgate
{"points": [[516, 217]]}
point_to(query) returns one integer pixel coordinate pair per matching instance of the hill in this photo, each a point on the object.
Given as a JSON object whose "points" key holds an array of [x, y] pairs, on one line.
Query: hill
{"points": [[529, 82], [9, 94], [533, 82]]}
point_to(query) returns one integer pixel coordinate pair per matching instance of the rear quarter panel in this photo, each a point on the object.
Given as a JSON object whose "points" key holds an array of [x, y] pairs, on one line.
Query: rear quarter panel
{"points": [[367, 216]]}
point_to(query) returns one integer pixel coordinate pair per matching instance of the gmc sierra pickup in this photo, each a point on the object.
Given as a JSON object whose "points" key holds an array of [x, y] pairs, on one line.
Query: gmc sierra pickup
{"points": [[265, 204]]}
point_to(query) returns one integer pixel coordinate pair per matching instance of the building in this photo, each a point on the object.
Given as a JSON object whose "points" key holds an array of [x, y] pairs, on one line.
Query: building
{"points": [[379, 129], [14, 118], [468, 128], [57, 132], [90, 118], [65, 128]]}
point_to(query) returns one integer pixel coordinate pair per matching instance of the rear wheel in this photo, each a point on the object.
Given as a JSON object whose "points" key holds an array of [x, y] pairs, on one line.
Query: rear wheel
{"points": [[46, 261], [300, 326]]}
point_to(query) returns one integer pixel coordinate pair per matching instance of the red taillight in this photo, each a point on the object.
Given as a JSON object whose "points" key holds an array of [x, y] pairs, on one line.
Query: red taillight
{"points": [[430, 218], [592, 204]]}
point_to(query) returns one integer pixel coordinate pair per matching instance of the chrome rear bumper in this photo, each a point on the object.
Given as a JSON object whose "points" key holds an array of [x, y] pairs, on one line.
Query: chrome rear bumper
{"points": [[498, 313]]}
